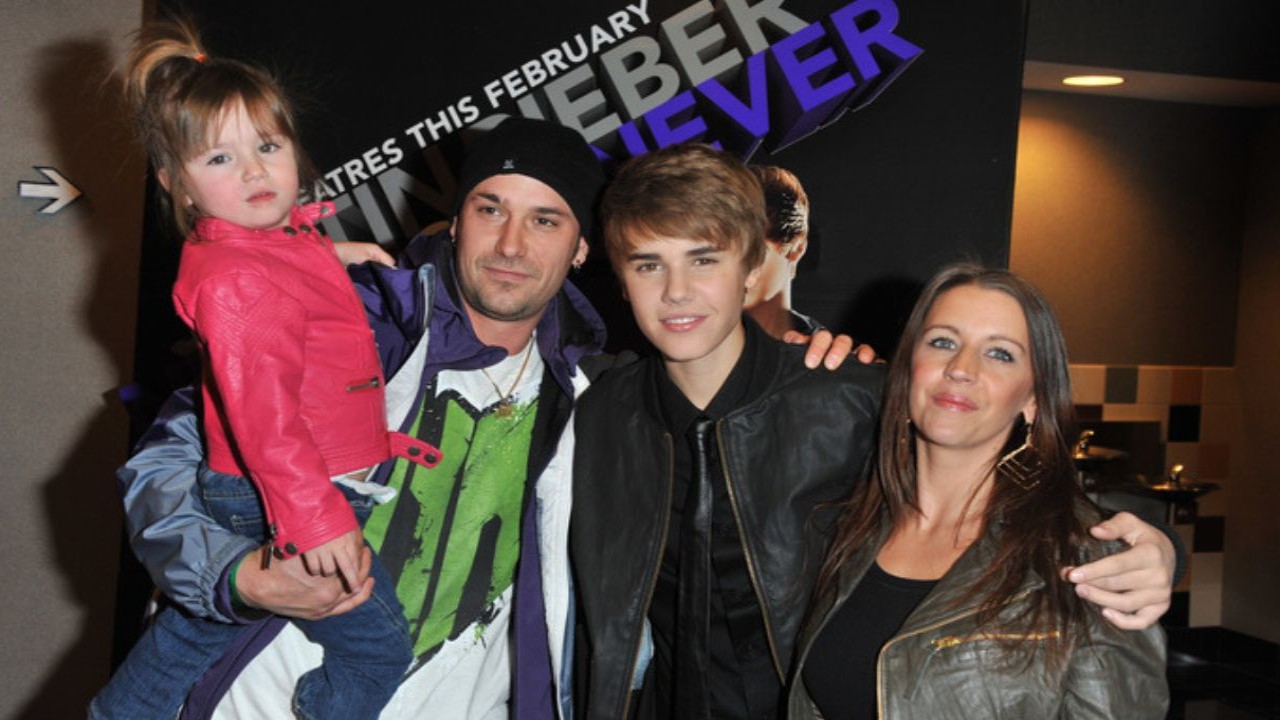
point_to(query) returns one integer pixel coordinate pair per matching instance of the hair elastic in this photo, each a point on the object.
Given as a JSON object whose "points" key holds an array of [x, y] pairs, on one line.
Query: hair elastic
{"points": [[200, 58]]}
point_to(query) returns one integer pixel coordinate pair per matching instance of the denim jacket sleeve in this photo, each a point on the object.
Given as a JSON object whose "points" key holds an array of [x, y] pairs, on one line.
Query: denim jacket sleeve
{"points": [[185, 551]]}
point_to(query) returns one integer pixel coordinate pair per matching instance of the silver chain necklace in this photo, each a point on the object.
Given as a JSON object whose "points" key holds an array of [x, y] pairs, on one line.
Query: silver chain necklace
{"points": [[506, 404]]}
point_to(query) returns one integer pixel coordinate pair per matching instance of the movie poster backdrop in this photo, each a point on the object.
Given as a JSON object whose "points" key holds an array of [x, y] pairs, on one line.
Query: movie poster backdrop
{"points": [[898, 116]]}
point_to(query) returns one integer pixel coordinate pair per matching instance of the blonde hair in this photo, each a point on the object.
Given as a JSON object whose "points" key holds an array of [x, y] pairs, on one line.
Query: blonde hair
{"points": [[179, 95], [689, 191]]}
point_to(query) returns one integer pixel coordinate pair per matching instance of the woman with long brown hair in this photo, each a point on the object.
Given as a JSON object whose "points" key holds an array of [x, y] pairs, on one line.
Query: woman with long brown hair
{"points": [[940, 596]]}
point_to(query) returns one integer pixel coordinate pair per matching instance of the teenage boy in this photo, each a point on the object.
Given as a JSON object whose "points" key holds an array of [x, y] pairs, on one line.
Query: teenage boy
{"points": [[692, 527], [703, 478]]}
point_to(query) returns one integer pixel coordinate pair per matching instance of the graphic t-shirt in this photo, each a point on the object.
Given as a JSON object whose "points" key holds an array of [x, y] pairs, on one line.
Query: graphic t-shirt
{"points": [[450, 540], [451, 537]]}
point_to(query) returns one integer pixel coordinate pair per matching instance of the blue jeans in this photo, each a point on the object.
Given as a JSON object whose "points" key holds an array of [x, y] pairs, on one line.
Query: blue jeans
{"points": [[366, 650]]}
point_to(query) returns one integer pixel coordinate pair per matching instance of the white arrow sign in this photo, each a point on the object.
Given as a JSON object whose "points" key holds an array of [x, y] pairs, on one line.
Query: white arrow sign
{"points": [[60, 191]]}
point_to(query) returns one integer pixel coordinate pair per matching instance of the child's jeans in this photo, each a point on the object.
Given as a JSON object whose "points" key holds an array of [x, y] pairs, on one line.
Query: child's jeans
{"points": [[366, 650]]}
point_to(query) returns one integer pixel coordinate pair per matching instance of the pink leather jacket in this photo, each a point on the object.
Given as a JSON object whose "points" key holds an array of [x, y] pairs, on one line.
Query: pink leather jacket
{"points": [[293, 388]]}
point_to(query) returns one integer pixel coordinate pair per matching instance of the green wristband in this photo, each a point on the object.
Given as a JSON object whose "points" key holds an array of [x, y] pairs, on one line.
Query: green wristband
{"points": [[231, 584]]}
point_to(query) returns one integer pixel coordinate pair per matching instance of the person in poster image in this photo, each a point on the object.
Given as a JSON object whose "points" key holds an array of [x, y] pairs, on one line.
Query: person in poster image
{"points": [[786, 239]]}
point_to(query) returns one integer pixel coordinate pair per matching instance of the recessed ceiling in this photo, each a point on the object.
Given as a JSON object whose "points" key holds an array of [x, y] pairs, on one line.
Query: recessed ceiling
{"points": [[1165, 87]]}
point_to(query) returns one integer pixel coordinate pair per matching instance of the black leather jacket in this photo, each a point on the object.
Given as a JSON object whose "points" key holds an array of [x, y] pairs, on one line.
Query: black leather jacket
{"points": [[797, 443]]}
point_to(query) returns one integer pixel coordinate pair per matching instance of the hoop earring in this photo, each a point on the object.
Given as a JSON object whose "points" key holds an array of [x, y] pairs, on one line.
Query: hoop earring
{"points": [[1023, 464]]}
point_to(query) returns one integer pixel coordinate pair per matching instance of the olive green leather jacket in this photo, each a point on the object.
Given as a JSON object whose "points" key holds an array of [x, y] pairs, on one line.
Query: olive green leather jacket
{"points": [[940, 665]]}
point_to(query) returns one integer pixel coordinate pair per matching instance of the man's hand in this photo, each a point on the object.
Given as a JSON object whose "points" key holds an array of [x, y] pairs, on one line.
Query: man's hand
{"points": [[286, 588], [1133, 587], [830, 351], [354, 253]]}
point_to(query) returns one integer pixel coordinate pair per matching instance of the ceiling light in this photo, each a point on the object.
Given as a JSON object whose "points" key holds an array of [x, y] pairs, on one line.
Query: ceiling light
{"points": [[1093, 80]]}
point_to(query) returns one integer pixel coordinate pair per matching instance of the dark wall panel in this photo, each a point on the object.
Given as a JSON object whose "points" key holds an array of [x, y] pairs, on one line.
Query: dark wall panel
{"points": [[1129, 219]]}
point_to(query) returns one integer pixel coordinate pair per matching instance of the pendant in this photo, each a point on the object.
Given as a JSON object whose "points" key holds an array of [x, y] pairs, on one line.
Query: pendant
{"points": [[505, 408]]}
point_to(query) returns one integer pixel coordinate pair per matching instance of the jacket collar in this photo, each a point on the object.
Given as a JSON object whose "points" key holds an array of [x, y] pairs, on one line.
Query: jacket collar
{"points": [[212, 229], [942, 602]]}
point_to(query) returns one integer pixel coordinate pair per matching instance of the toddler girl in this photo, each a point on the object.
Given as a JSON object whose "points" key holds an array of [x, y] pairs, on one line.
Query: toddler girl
{"points": [[292, 386]]}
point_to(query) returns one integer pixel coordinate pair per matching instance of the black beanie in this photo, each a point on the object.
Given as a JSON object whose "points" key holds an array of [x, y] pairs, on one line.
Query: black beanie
{"points": [[544, 151]]}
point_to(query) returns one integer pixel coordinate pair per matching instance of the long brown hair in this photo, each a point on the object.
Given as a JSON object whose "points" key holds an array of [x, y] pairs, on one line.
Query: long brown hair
{"points": [[179, 93], [1038, 528]]}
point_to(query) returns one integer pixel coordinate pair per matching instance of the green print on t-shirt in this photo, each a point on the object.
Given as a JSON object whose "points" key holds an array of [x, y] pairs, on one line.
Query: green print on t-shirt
{"points": [[451, 537]]}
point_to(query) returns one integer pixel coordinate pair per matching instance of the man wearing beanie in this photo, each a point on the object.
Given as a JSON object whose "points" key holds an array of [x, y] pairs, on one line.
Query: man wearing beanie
{"points": [[486, 346]]}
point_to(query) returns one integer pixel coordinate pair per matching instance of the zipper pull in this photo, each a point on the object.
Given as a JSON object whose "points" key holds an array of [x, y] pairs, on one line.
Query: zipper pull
{"points": [[372, 382], [270, 548]]}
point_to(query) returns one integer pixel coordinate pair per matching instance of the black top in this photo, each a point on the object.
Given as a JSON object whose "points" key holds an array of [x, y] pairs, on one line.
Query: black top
{"points": [[840, 671], [742, 681]]}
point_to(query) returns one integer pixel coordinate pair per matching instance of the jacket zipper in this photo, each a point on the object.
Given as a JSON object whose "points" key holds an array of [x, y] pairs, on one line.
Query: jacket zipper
{"points": [[269, 549], [653, 581], [746, 554], [371, 383], [928, 628], [951, 641]]}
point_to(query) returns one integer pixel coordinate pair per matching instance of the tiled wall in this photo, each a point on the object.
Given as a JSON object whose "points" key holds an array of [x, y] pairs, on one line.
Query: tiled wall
{"points": [[1199, 413]]}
